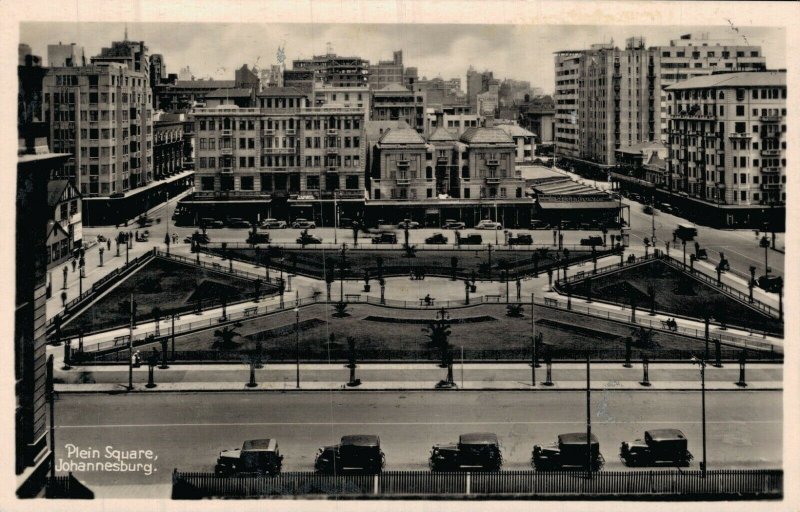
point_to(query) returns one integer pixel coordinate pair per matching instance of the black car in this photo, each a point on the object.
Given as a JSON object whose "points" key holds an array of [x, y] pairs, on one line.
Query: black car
{"points": [[770, 283], [476, 450], [470, 239], [385, 238], [258, 238], [200, 238], [570, 452], [520, 239], [305, 239], [354, 452], [237, 223], [436, 238], [666, 445], [259, 456], [592, 241]]}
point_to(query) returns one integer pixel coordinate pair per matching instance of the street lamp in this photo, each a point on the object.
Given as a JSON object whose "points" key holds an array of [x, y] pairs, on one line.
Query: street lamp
{"points": [[702, 364], [297, 339], [764, 242]]}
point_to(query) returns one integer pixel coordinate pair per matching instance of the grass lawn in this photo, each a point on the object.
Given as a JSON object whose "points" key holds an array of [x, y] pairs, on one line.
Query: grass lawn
{"points": [[166, 284], [675, 293], [485, 332], [313, 262]]}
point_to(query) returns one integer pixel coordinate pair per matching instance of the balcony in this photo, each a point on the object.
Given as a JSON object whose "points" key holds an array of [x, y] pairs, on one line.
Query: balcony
{"points": [[332, 131], [225, 151], [290, 131], [743, 135], [770, 152], [770, 119], [226, 170], [492, 163], [771, 170], [770, 186], [332, 169], [492, 179], [227, 133], [403, 181], [332, 151], [279, 151], [230, 194]]}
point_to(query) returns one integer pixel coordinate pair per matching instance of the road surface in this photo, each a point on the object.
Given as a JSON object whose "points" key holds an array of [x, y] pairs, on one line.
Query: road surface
{"points": [[186, 430]]}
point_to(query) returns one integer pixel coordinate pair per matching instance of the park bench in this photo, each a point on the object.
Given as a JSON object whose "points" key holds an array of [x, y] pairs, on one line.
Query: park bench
{"points": [[550, 302], [495, 298], [216, 265], [417, 275], [430, 302], [352, 297], [120, 340], [666, 324], [580, 275], [250, 311]]}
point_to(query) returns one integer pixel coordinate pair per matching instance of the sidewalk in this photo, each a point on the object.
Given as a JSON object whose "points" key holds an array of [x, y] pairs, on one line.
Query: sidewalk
{"points": [[416, 376]]}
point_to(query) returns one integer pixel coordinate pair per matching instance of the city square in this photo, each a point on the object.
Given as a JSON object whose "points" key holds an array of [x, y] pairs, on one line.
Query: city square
{"points": [[491, 293]]}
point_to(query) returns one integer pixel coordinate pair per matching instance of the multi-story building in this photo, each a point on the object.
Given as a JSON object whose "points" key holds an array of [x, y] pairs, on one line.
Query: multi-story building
{"points": [[158, 70], [538, 116], [64, 233], [727, 142], [65, 55], [337, 71], [102, 114], [281, 155], [341, 96], [168, 145], [607, 97], [470, 177], [30, 77], [487, 103], [35, 165], [394, 102], [455, 120], [301, 79], [478, 83], [387, 72], [184, 94], [523, 140]]}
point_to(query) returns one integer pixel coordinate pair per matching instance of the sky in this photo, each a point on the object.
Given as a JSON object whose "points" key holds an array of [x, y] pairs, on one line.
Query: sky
{"points": [[522, 52]]}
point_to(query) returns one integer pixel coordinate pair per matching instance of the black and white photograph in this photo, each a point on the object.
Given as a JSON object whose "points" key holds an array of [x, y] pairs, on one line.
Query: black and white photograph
{"points": [[405, 255]]}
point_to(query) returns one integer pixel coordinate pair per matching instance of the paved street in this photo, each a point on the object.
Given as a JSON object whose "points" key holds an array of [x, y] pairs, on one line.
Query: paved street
{"points": [[187, 430]]}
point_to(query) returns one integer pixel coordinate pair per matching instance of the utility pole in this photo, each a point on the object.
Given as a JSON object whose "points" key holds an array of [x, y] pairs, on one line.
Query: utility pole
{"points": [[702, 363], [589, 415], [533, 343], [130, 348], [297, 335], [653, 219], [335, 216]]}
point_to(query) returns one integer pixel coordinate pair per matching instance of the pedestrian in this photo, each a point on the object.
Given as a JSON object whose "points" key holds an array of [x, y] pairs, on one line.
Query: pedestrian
{"points": [[108, 243], [136, 360], [74, 264]]}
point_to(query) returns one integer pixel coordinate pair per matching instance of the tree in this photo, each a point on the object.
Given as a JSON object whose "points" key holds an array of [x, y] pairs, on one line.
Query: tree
{"points": [[157, 315], [341, 309], [356, 226], [643, 336], [257, 289], [438, 332], [514, 310], [351, 361], [453, 267], [329, 270], [224, 337]]}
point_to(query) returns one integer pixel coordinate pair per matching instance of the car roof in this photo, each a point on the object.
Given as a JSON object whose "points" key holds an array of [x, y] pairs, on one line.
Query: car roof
{"points": [[361, 440], [665, 434], [260, 444], [575, 438], [478, 438]]}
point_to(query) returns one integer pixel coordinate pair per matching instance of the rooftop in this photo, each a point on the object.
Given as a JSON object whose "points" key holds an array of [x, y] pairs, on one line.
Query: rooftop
{"points": [[394, 87], [401, 136], [282, 91], [442, 135], [479, 135], [230, 93], [741, 79], [637, 149], [515, 131], [204, 84], [55, 189]]}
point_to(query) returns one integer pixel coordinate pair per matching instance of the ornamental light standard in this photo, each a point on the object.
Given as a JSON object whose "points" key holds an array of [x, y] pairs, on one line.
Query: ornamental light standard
{"points": [[702, 364]]}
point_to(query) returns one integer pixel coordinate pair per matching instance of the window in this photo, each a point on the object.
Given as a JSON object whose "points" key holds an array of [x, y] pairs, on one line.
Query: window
{"points": [[466, 193], [207, 183], [246, 183], [739, 110]]}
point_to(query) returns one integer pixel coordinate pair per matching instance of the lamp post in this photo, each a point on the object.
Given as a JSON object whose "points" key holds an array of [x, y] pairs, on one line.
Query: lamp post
{"points": [[81, 275], [297, 340], [764, 243], [702, 364], [588, 415]]}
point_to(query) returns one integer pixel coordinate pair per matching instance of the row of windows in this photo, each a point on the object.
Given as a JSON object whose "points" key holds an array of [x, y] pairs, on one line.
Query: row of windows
{"points": [[268, 184], [333, 123], [710, 54]]}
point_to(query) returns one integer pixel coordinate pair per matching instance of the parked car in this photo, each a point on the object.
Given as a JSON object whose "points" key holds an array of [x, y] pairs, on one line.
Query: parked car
{"points": [[571, 451], [647, 209], [592, 241], [273, 224], [256, 456], [210, 223], [200, 238], [300, 223], [436, 238], [666, 445], [470, 239], [488, 224], [476, 450], [453, 224], [635, 197], [520, 239], [237, 223], [385, 238], [354, 452], [539, 224], [345, 222], [258, 238], [667, 208], [772, 284], [408, 222], [305, 239], [685, 232]]}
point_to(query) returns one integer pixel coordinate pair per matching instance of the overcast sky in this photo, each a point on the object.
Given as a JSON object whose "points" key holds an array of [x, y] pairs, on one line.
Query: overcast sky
{"points": [[523, 52]]}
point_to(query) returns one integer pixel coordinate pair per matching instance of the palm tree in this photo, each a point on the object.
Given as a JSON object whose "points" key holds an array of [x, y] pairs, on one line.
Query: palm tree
{"points": [[438, 332], [330, 266], [453, 267], [224, 337]]}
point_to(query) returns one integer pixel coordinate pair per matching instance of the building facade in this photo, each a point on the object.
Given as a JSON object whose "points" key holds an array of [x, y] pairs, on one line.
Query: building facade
{"points": [[727, 138], [65, 229], [387, 72], [341, 96], [607, 97], [394, 102], [65, 55], [336, 71], [102, 114], [168, 145]]}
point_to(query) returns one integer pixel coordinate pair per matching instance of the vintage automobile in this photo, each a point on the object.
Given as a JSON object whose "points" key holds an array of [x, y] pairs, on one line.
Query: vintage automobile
{"points": [[666, 208], [259, 456], [258, 238], [200, 238], [685, 232], [770, 283], [667, 445], [436, 238], [237, 223], [305, 239], [592, 240], [385, 238], [453, 224], [571, 451], [210, 223], [488, 224], [648, 210], [470, 239], [539, 224], [520, 239], [354, 452], [300, 223], [476, 450], [408, 222], [273, 224]]}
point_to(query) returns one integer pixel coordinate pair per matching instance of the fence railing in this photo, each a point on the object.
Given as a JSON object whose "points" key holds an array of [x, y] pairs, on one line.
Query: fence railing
{"points": [[715, 484], [365, 243], [67, 487]]}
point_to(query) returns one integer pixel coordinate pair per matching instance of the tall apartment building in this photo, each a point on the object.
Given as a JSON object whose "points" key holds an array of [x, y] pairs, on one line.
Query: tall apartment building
{"points": [[394, 102], [387, 72], [478, 83], [607, 97], [341, 96], [102, 114], [283, 150], [727, 139], [337, 71]]}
